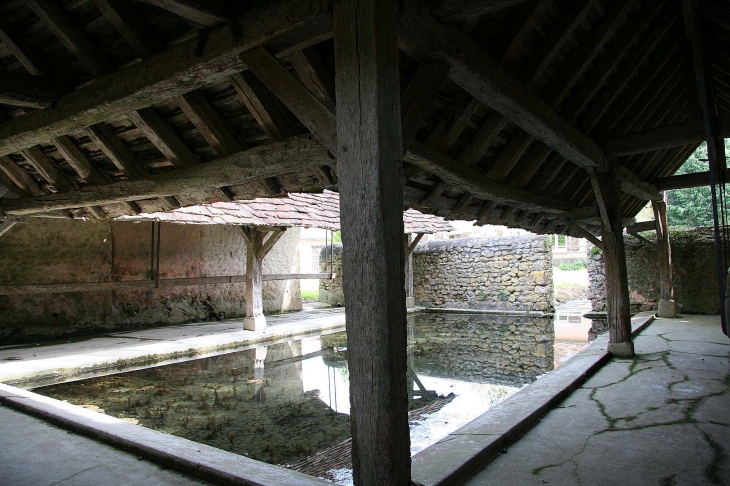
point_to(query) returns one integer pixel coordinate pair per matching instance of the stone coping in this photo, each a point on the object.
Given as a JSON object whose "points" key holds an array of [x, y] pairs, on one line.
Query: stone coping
{"points": [[495, 312], [129, 358], [458, 455], [199, 460]]}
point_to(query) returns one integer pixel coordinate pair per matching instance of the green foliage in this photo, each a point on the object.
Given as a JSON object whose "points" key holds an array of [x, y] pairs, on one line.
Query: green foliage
{"points": [[310, 294], [561, 240], [595, 251], [337, 237], [692, 207], [574, 265]]}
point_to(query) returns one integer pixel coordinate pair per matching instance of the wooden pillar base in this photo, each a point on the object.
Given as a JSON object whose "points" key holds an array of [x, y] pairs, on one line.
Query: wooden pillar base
{"points": [[255, 323], [667, 308], [621, 350]]}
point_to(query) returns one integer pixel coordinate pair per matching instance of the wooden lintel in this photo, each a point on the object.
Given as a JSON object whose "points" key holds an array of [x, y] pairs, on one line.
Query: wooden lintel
{"points": [[457, 175], [684, 181], [289, 156], [282, 25], [479, 75]]}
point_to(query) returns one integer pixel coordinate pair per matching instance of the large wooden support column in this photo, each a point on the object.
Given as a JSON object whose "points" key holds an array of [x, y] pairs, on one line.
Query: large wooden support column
{"points": [[608, 196], [371, 211], [667, 306], [256, 250]]}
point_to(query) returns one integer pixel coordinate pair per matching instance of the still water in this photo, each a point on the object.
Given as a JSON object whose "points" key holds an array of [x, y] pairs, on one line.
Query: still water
{"points": [[284, 402]]}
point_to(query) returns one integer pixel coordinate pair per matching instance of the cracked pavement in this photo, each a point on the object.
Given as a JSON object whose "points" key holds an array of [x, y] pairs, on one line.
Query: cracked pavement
{"points": [[661, 418]]}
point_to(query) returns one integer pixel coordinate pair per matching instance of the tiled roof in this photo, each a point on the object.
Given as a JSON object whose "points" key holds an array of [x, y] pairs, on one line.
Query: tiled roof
{"points": [[296, 210]]}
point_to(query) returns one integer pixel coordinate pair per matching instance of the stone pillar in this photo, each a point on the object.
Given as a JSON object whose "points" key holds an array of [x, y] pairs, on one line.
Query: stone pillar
{"points": [[667, 306], [369, 161], [608, 197]]}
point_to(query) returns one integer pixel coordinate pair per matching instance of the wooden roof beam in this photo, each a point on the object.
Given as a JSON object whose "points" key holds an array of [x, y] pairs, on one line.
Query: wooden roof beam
{"points": [[284, 25], [17, 45], [22, 180], [130, 26], [478, 74], [167, 141], [208, 12], [58, 20], [292, 155]]}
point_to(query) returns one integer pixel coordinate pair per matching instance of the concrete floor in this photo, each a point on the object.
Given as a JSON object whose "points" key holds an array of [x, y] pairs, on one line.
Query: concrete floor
{"points": [[662, 418]]}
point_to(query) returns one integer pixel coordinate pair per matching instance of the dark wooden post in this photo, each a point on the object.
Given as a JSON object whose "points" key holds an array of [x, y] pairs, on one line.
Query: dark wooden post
{"points": [[371, 211], [608, 197], [256, 250], [667, 306]]}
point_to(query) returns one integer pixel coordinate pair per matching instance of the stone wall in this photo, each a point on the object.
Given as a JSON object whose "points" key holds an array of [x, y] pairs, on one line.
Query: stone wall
{"points": [[505, 273], [695, 274], [50, 251]]}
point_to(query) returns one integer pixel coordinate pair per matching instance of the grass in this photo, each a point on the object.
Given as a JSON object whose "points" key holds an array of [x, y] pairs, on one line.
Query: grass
{"points": [[310, 294], [574, 265]]}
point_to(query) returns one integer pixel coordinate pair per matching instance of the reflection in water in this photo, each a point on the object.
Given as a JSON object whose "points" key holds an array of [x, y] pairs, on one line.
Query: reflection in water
{"points": [[284, 402]]}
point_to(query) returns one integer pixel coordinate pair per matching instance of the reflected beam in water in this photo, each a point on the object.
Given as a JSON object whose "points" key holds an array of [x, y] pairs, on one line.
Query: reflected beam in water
{"points": [[258, 374]]}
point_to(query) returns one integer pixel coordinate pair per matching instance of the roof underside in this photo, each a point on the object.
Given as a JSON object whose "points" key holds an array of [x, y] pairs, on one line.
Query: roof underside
{"points": [[155, 110]]}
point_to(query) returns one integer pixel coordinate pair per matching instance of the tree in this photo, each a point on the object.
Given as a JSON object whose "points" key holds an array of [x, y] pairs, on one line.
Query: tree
{"points": [[692, 206]]}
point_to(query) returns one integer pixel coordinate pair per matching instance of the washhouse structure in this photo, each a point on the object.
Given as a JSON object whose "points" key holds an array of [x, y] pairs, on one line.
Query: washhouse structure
{"points": [[263, 221], [554, 116]]}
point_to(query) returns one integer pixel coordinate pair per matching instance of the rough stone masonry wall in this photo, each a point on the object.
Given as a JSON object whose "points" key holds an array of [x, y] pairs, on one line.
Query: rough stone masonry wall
{"points": [[695, 274], [505, 273], [50, 251]]}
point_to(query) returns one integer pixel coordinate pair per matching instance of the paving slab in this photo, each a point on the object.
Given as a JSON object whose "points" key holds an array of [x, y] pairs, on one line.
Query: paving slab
{"points": [[662, 418]]}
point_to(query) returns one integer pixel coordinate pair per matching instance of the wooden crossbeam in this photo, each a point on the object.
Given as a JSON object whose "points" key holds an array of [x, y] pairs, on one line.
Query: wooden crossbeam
{"points": [[209, 123], [314, 76], [661, 138], [292, 155], [485, 136], [478, 74], [43, 165], [58, 20], [20, 178], [29, 91], [457, 175], [116, 150], [284, 25], [417, 98], [631, 184], [266, 247], [262, 104], [80, 163], [684, 181]]}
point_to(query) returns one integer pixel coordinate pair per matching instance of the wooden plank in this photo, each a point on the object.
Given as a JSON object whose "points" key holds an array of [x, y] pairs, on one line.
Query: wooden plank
{"points": [[210, 123], [454, 174], [417, 98], [18, 89], [282, 24], [478, 74], [435, 193], [449, 10], [130, 26], [302, 102], [163, 137], [80, 163], [6, 225], [371, 201], [452, 123], [58, 20], [264, 107], [510, 155], [207, 12], [315, 76], [584, 233], [43, 165], [116, 150], [461, 205], [289, 156], [18, 47], [608, 197]]}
